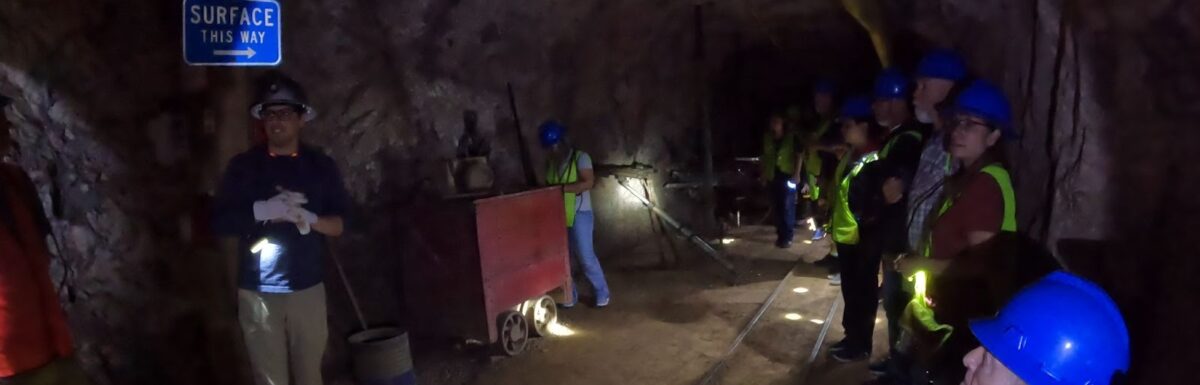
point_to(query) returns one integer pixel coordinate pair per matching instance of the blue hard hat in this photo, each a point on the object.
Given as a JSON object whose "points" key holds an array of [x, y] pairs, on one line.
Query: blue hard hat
{"points": [[1061, 329], [550, 133], [942, 64], [987, 101], [824, 86], [891, 84], [858, 107]]}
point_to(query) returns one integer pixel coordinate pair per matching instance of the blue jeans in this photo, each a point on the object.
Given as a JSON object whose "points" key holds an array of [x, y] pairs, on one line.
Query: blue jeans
{"points": [[584, 254], [783, 197]]}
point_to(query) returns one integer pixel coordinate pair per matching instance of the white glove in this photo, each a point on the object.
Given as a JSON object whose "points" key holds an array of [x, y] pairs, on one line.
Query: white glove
{"points": [[270, 210], [303, 219], [290, 198]]}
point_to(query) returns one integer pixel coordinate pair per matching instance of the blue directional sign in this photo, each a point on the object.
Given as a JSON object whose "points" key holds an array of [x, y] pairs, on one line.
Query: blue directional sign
{"points": [[232, 32]]}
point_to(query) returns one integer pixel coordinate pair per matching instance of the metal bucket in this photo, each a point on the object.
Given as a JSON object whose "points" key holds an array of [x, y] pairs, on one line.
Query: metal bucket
{"points": [[381, 357]]}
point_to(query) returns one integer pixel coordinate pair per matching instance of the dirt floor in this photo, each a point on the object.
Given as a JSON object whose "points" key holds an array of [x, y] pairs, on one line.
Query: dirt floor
{"points": [[671, 326]]}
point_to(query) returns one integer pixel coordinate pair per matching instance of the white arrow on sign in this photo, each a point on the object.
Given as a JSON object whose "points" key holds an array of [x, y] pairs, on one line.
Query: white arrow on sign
{"points": [[248, 52]]}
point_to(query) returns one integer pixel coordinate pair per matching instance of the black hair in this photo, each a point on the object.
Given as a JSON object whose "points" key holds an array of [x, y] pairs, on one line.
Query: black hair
{"points": [[4, 101]]}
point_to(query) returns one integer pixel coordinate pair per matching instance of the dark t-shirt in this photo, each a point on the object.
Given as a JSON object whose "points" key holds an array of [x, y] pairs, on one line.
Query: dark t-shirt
{"points": [[291, 261]]}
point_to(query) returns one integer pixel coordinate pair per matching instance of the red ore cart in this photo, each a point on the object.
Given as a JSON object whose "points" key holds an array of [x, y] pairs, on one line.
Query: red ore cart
{"points": [[487, 266]]}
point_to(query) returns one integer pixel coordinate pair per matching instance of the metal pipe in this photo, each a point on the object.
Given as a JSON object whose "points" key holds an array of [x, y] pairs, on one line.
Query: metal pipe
{"points": [[705, 119], [522, 149], [683, 230]]}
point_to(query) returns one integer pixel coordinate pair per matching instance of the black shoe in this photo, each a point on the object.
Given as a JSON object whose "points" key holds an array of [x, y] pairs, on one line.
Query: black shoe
{"points": [[840, 346], [851, 355], [783, 245], [880, 367]]}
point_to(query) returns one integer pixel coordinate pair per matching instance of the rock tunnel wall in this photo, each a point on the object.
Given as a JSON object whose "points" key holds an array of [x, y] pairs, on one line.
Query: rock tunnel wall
{"points": [[122, 139]]}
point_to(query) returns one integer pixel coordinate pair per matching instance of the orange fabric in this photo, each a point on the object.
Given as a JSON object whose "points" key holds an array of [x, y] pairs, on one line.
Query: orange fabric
{"points": [[33, 330]]}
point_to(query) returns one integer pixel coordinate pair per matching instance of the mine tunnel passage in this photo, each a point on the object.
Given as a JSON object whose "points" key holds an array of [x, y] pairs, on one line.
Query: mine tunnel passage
{"points": [[393, 189]]}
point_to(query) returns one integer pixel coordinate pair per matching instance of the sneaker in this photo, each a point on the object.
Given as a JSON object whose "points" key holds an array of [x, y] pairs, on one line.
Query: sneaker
{"points": [[880, 367], [568, 305], [818, 235], [600, 303], [835, 279], [850, 355]]}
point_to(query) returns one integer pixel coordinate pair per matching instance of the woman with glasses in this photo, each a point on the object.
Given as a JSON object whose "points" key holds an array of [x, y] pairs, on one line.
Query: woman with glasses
{"points": [[977, 205]]}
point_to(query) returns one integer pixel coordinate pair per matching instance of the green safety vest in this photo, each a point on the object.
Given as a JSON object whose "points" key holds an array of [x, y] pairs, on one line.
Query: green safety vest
{"points": [[556, 177], [1009, 224], [845, 227], [887, 148], [812, 163], [783, 157], [918, 309]]}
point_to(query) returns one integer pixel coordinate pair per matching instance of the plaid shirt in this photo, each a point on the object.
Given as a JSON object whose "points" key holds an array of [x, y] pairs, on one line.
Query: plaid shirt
{"points": [[926, 190]]}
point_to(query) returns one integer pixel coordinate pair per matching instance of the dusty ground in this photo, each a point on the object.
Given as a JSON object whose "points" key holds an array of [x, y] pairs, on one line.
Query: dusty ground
{"points": [[671, 326]]}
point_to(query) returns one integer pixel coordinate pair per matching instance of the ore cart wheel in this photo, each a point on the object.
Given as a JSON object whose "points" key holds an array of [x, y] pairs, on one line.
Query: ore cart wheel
{"points": [[514, 333], [540, 314]]}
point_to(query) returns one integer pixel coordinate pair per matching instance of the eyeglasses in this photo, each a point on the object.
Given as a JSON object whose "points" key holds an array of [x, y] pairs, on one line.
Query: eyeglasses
{"points": [[280, 114], [965, 123]]}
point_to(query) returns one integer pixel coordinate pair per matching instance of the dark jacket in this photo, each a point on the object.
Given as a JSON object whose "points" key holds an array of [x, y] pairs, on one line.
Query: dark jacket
{"points": [[901, 162], [865, 198], [296, 263]]}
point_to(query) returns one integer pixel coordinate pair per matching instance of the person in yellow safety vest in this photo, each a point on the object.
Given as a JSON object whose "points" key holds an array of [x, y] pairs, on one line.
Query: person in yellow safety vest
{"points": [[857, 206], [781, 173], [572, 169], [978, 204], [898, 157], [815, 160]]}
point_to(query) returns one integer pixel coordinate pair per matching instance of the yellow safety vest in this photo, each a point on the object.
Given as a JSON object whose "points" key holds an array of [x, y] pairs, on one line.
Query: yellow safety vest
{"points": [[556, 177], [812, 163], [918, 309], [845, 227], [782, 157], [887, 148], [1009, 223]]}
